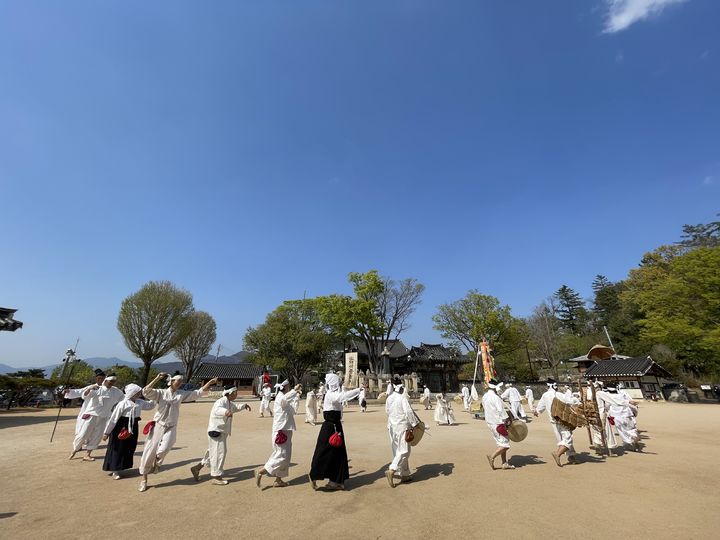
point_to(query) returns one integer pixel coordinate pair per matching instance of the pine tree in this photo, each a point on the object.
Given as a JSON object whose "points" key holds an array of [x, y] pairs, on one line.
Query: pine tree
{"points": [[570, 311]]}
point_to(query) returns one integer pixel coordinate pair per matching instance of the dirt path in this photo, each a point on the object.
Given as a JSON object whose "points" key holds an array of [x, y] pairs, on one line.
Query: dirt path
{"points": [[659, 493]]}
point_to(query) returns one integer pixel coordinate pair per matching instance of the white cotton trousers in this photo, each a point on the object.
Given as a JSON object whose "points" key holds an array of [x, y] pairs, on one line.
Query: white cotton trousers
{"points": [[278, 464], [466, 403], [500, 440], [215, 455], [530, 401], [517, 410], [310, 415], [626, 429], [265, 407], [90, 433], [157, 445], [400, 450], [609, 435], [564, 437]]}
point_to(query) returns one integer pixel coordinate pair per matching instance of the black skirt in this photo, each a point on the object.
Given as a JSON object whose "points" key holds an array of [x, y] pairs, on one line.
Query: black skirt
{"points": [[328, 461], [119, 455]]}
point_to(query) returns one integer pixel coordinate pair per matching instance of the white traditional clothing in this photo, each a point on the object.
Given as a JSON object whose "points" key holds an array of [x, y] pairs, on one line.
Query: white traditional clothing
{"points": [[466, 397], [400, 419], [603, 400], [75, 393], [513, 396], [311, 408], [163, 434], [563, 435], [219, 429], [530, 398], [278, 464], [622, 415], [125, 416], [495, 415], [265, 395], [362, 399], [100, 402], [443, 411], [425, 400]]}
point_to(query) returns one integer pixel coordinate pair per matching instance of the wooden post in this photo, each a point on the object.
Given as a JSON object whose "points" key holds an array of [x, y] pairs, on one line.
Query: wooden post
{"points": [[583, 400]]}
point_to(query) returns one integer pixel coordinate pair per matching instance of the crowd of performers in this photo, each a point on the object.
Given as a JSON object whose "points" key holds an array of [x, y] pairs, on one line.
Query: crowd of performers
{"points": [[113, 415]]}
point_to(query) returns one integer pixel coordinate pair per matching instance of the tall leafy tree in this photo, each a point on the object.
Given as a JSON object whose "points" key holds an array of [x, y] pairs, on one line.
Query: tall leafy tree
{"points": [[200, 334], [466, 322], [152, 321], [82, 374], [677, 297], [292, 340], [379, 311], [606, 303]]}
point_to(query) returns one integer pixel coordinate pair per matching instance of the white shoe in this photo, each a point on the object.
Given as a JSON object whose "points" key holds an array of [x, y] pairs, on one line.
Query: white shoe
{"points": [[116, 476], [143, 486]]}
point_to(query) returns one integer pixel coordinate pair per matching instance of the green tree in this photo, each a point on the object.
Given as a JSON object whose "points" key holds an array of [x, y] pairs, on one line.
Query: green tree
{"points": [[82, 374], [606, 303], [570, 310], [200, 335], [379, 312], [125, 375], [677, 297], [466, 322], [23, 386], [701, 235], [152, 321], [292, 340]]}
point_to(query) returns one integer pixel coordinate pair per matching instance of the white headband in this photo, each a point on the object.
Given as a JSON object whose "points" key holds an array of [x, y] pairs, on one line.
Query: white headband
{"points": [[111, 378], [229, 391]]}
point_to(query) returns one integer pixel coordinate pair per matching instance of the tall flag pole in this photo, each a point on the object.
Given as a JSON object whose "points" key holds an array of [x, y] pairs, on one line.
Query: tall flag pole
{"points": [[473, 391]]}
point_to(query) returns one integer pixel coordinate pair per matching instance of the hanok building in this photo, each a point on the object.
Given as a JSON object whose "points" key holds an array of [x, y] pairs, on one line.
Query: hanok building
{"points": [[436, 365], [392, 358], [641, 376], [244, 376], [7, 323]]}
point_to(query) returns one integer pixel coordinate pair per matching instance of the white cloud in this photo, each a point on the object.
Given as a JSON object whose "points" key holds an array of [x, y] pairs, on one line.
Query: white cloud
{"points": [[623, 13]]}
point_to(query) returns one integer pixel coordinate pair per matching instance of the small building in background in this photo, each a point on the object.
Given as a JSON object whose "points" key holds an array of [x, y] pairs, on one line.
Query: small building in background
{"points": [[641, 376], [244, 376], [437, 366]]}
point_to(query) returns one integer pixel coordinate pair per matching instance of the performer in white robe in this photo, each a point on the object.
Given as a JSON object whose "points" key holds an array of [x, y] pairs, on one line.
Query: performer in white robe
{"points": [[219, 429], [320, 397], [163, 431], [278, 464], [75, 393], [401, 418], [621, 415], [101, 400], [497, 419], [603, 402], [265, 395], [513, 396], [443, 411], [124, 422], [465, 391], [311, 407], [426, 400], [362, 398], [530, 398], [330, 461], [563, 435]]}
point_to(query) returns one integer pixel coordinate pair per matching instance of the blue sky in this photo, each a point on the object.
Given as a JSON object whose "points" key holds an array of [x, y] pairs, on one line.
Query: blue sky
{"points": [[252, 151]]}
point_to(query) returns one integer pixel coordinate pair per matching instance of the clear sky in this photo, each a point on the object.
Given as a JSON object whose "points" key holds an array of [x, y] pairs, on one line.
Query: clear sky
{"points": [[252, 151]]}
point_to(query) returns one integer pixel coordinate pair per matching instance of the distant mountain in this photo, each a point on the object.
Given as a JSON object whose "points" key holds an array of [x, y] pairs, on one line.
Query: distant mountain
{"points": [[237, 358], [104, 362]]}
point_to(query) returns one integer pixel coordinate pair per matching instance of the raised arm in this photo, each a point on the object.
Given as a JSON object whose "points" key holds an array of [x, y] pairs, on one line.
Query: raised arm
{"points": [[149, 390]]}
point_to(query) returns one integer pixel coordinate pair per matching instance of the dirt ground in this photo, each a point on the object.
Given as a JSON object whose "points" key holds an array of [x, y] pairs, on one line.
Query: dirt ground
{"points": [[670, 490]]}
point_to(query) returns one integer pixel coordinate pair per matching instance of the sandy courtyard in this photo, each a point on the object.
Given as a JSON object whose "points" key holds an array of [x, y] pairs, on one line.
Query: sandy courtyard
{"points": [[660, 493]]}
